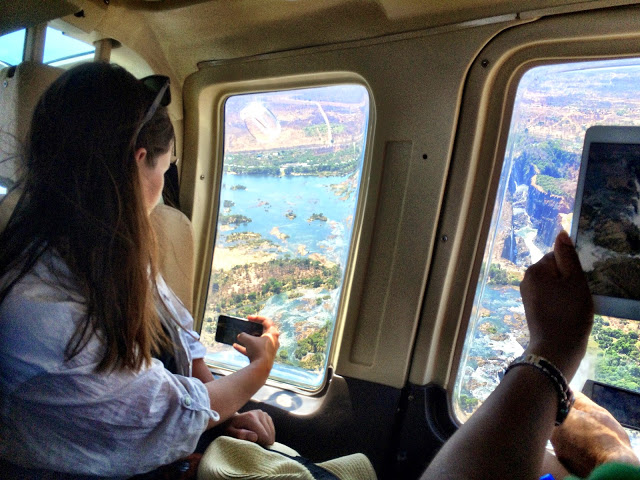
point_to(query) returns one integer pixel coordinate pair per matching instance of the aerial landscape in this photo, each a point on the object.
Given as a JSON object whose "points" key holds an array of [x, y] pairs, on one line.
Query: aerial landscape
{"points": [[554, 107], [291, 177]]}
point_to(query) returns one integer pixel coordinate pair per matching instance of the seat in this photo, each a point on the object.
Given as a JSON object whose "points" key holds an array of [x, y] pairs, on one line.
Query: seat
{"points": [[21, 87], [175, 237]]}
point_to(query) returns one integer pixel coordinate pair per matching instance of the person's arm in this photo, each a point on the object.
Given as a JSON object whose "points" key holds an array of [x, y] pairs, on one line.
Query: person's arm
{"points": [[229, 393], [200, 370], [590, 437], [551, 465], [506, 436], [254, 426]]}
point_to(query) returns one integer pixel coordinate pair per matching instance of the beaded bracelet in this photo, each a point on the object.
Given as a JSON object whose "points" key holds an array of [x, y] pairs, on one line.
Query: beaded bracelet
{"points": [[565, 395]]}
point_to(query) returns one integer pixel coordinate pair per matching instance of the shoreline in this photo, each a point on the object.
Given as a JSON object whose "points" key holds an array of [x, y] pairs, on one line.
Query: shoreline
{"points": [[226, 258]]}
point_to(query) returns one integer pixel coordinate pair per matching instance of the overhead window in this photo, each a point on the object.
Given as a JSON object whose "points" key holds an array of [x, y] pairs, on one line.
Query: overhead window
{"points": [[59, 49], [11, 48], [289, 195], [553, 108]]}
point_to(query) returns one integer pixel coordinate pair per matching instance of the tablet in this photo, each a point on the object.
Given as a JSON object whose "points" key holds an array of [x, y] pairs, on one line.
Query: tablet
{"points": [[606, 219], [623, 404]]}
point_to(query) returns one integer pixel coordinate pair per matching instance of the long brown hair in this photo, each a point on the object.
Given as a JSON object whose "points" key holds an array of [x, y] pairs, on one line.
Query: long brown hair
{"points": [[83, 200]]}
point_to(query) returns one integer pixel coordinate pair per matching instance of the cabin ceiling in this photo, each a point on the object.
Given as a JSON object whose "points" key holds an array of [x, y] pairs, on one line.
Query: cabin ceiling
{"points": [[191, 31]]}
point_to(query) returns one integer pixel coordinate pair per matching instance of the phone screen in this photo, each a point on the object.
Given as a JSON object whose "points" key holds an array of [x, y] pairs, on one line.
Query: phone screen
{"points": [[229, 328], [623, 404]]}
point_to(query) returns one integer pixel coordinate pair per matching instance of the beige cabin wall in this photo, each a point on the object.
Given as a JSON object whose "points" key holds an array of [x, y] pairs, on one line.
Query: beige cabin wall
{"points": [[477, 161], [416, 83]]}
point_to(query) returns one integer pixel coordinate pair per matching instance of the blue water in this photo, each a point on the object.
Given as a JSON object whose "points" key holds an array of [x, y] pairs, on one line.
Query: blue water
{"points": [[502, 303], [267, 199]]}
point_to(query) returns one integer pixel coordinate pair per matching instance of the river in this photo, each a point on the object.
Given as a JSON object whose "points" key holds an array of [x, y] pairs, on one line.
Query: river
{"points": [[280, 209]]}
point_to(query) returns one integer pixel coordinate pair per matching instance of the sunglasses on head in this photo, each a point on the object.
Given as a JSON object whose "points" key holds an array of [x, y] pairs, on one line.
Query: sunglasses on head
{"points": [[159, 84]]}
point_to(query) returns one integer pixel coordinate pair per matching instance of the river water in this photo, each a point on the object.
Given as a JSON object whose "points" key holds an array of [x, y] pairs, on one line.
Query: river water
{"points": [[267, 200]]}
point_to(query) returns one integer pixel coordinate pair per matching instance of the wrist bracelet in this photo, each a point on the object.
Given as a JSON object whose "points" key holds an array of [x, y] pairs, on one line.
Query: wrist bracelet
{"points": [[565, 395]]}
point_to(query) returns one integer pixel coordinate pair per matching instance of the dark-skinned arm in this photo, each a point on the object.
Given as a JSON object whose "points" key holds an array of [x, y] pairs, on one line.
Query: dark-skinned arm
{"points": [[506, 436]]}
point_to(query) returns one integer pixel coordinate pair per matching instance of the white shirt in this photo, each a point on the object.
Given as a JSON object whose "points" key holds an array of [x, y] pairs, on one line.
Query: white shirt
{"points": [[60, 415]]}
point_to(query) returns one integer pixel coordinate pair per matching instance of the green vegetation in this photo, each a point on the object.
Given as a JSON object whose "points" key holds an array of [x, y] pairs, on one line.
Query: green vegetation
{"points": [[491, 329], [498, 276], [243, 236], [553, 159], [618, 356], [283, 357], [552, 185], [228, 204], [249, 239], [251, 285], [233, 220], [324, 161], [320, 130], [467, 404], [550, 161], [317, 216], [238, 187], [316, 344]]}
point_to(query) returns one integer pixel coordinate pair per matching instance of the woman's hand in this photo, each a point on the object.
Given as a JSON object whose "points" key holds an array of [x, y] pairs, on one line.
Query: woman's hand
{"points": [[253, 426], [558, 306], [260, 349], [229, 393], [590, 436]]}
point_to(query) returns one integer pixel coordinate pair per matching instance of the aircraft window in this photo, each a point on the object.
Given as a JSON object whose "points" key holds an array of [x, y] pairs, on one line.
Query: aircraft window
{"points": [[59, 49], [554, 106], [11, 48], [291, 176]]}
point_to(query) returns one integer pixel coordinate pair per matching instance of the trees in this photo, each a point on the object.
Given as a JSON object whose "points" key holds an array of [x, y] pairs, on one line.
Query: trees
{"points": [[618, 357]]}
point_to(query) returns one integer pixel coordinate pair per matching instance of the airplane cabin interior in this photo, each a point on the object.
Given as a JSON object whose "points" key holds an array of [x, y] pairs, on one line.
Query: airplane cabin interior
{"points": [[375, 175]]}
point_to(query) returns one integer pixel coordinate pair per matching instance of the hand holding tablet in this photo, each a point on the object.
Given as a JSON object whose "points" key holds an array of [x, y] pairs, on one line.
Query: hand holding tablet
{"points": [[606, 220]]}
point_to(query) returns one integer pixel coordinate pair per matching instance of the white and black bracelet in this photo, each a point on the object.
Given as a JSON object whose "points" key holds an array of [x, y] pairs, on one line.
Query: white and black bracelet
{"points": [[565, 395]]}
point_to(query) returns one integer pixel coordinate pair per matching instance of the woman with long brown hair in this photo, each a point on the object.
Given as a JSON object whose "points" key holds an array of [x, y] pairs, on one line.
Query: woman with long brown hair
{"points": [[83, 309]]}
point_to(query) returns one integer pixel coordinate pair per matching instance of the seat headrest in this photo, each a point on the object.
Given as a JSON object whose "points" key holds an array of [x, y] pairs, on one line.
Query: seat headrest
{"points": [[20, 89]]}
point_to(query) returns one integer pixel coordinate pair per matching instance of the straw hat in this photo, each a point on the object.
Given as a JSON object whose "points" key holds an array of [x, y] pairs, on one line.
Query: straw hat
{"points": [[230, 458]]}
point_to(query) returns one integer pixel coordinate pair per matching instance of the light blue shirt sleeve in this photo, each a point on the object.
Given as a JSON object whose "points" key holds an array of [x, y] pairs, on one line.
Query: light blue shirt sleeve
{"points": [[63, 416], [183, 316]]}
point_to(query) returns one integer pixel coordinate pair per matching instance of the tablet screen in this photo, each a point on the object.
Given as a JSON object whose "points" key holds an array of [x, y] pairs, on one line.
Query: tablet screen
{"points": [[607, 219]]}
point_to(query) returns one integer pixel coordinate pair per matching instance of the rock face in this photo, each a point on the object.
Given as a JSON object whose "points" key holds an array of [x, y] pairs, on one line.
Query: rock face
{"points": [[615, 277], [545, 208], [535, 208]]}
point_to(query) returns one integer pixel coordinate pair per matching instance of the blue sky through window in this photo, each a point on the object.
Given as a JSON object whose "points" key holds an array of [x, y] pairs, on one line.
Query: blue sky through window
{"points": [[11, 47], [58, 46]]}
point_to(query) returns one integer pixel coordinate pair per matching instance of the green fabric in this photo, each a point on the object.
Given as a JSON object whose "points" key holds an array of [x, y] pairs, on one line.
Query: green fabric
{"points": [[613, 471]]}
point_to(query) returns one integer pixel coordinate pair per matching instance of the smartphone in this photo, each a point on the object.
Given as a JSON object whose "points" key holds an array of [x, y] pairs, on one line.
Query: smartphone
{"points": [[623, 404], [230, 327]]}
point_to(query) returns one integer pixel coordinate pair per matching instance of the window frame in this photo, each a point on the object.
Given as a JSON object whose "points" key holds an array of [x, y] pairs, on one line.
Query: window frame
{"points": [[214, 97], [479, 149]]}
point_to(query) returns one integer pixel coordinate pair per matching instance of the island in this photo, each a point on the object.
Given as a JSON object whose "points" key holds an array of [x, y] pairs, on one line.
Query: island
{"points": [[317, 216]]}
